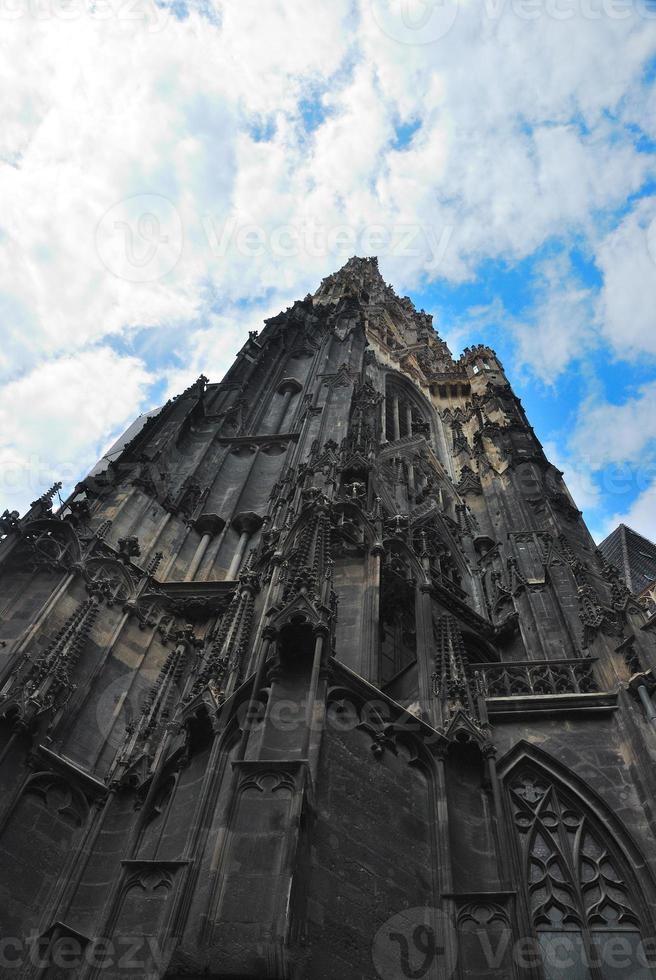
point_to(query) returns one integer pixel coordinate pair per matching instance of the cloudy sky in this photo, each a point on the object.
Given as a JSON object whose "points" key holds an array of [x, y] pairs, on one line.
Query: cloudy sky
{"points": [[171, 173]]}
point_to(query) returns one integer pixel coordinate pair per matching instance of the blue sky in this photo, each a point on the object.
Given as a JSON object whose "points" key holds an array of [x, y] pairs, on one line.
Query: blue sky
{"points": [[171, 174]]}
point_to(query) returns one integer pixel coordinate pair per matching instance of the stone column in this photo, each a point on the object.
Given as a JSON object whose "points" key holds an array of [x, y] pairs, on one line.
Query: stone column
{"points": [[411, 479], [488, 752], [246, 524], [286, 388], [425, 648], [207, 525], [396, 418], [408, 417], [312, 694]]}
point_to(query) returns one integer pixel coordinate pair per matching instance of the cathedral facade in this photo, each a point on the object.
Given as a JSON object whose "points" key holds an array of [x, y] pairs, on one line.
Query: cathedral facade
{"points": [[321, 676]]}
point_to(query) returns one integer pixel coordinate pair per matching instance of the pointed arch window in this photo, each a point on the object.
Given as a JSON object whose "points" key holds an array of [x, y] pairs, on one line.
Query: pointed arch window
{"points": [[580, 896], [403, 416]]}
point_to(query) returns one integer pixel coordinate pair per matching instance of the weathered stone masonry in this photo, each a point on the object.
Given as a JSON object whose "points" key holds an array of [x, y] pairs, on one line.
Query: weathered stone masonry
{"points": [[324, 641]]}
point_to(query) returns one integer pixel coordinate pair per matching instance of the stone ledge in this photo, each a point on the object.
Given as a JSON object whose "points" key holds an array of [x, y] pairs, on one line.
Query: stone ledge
{"points": [[600, 702], [258, 440]]}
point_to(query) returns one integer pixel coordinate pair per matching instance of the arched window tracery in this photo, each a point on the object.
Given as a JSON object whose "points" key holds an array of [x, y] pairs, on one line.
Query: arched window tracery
{"points": [[581, 897]]}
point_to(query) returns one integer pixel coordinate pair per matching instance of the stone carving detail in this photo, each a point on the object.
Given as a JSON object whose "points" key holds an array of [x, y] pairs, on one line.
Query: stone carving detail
{"points": [[158, 712], [483, 914], [223, 661], [461, 711], [269, 781], [389, 732], [9, 521], [150, 879], [49, 543], [128, 548], [107, 581], [44, 502], [58, 796], [574, 876], [43, 685], [503, 680], [307, 566], [595, 617]]}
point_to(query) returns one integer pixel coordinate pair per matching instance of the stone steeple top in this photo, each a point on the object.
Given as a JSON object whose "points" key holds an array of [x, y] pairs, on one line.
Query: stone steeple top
{"points": [[358, 278], [393, 316]]}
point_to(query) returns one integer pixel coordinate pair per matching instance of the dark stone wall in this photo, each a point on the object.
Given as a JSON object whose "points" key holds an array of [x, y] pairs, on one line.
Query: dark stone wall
{"points": [[361, 874]]}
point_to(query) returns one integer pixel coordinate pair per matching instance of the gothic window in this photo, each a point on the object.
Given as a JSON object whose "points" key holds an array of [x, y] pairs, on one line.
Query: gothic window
{"points": [[398, 631], [579, 895]]}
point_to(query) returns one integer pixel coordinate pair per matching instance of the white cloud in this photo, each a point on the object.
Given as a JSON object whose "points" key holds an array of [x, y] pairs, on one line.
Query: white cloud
{"points": [[557, 328], [515, 146], [560, 325], [57, 420], [606, 433], [211, 350], [641, 515], [579, 479], [627, 259], [522, 140]]}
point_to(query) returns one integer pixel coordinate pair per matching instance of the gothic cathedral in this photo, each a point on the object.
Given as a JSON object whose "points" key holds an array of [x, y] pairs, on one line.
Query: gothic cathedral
{"points": [[320, 676]]}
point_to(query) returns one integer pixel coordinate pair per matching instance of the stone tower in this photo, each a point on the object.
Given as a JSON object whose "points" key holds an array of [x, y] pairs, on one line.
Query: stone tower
{"points": [[322, 676]]}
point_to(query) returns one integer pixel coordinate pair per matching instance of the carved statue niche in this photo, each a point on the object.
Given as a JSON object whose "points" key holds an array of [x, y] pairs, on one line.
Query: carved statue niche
{"points": [[354, 479], [347, 536], [108, 580]]}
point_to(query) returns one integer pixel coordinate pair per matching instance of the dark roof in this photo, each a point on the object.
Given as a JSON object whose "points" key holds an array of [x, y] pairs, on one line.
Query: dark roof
{"points": [[634, 556]]}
